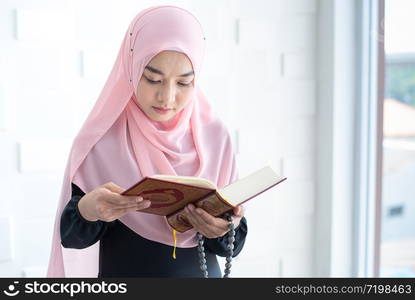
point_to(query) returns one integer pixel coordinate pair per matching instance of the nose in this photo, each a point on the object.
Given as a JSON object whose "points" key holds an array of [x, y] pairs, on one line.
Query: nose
{"points": [[167, 95]]}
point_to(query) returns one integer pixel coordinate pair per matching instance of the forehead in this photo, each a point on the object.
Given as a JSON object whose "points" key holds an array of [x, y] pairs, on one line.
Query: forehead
{"points": [[171, 62]]}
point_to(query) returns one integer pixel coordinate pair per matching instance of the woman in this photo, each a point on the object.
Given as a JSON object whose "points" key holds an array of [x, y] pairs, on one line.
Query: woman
{"points": [[151, 118]]}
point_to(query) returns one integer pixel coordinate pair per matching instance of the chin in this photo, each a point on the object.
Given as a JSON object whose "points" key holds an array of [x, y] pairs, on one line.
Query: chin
{"points": [[157, 117]]}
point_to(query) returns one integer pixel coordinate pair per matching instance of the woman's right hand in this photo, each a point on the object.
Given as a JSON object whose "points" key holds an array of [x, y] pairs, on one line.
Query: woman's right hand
{"points": [[106, 204]]}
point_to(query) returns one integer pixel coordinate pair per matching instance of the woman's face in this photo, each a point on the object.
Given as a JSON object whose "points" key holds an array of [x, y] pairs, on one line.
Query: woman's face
{"points": [[166, 85]]}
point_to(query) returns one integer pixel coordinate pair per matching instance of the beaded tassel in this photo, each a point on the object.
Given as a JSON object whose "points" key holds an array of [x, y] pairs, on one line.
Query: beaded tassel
{"points": [[202, 255], [230, 247], [231, 239]]}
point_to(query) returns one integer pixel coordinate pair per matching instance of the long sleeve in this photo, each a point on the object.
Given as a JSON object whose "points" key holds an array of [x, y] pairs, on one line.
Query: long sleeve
{"points": [[77, 232], [218, 245]]}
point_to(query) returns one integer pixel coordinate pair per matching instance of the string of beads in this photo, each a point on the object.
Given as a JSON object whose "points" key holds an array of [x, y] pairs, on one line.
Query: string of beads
{"points": [[229, 247]]}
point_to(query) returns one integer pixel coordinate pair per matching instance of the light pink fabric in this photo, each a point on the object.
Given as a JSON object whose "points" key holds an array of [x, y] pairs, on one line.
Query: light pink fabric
{"points": [[119, 143]]}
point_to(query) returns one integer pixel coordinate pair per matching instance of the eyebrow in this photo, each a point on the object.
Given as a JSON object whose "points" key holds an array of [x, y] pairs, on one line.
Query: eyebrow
{"points": [[154, 70]]}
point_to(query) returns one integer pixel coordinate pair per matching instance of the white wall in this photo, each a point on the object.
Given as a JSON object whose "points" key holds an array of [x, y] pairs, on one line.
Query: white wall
{"points": [[336, 119], [274, 109], [259, 73]]}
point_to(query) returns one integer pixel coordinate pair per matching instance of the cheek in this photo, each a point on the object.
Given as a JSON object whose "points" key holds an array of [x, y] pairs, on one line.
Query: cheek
{"points": [[185, 96], [145, 93]]}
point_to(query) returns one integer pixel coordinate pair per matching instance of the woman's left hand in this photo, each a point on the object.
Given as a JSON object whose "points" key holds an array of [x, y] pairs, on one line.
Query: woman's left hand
{"points": [[210, 226]]}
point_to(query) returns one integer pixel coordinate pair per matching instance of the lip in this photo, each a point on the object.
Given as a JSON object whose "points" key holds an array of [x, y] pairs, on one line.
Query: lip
{"points": [[161, 110]]}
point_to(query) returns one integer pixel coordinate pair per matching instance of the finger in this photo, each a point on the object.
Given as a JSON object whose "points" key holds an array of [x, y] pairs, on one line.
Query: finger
{"points": [[207, 223], [192, 220], [218, 225], [239, 211], [236, 218], [135, 207], [117, 199], [117, 210], [120, 212], [206, 217], [144, 204], [221, 224], [109, 214], [113, 187], [117, 205], [115, 191], [190, 217]]}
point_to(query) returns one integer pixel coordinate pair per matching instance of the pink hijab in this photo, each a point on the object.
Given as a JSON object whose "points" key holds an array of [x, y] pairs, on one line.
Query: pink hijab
{"points": [[119, 143]]}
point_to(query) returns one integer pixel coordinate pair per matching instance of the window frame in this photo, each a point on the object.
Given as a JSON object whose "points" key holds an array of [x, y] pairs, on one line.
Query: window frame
{"points": [[369, 138]]}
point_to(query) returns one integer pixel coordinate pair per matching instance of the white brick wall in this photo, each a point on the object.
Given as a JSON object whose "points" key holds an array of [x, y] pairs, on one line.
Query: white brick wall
{"points": [[259, 74], [273, 109]]}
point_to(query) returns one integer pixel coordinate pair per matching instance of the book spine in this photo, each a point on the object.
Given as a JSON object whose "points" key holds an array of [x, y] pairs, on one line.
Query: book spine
{"points": [[212, 204]]}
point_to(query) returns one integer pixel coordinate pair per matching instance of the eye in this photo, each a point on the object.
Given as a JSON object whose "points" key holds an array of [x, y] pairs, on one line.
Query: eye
{"points": [[184, 84], [152, 81]]}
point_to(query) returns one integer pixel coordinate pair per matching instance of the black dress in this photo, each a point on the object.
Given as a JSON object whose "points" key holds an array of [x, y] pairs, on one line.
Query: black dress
{"points": [[124, 253]]}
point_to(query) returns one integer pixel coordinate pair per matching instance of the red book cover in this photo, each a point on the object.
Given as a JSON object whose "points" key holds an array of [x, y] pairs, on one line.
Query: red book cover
{"points": [[168, 198]]}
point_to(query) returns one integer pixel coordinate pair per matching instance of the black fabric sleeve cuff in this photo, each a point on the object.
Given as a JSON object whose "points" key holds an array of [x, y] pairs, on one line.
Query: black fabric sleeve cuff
{"points": [[218, 245], [76, 231]]}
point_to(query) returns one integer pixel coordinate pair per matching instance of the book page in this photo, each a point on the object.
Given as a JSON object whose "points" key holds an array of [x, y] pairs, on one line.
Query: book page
{"points": [[196, 181], [250, 186]]}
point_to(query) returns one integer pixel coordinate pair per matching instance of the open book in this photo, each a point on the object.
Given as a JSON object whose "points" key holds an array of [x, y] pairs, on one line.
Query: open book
{"points": [[169, 194]]}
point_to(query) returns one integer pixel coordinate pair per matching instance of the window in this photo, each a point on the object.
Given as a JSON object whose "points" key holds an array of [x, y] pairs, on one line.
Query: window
{"points": [[397, 245]]}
